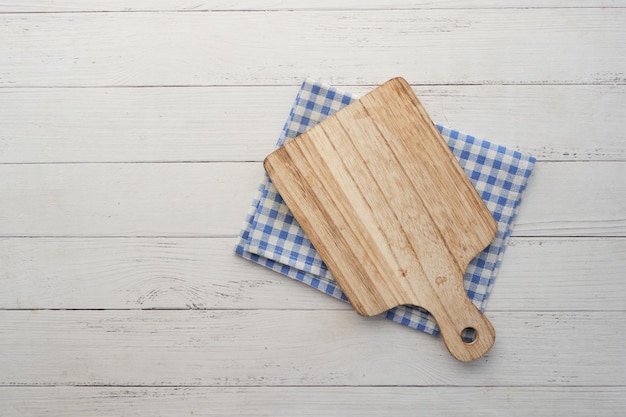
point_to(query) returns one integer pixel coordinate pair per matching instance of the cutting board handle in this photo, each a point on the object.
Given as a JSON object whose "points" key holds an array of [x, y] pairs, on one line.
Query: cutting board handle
{"points": [[466, 332]]}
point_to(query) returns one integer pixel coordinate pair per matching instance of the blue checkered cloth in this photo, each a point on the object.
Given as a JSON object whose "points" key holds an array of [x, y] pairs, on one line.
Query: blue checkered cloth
{"points": [[272, 237]]}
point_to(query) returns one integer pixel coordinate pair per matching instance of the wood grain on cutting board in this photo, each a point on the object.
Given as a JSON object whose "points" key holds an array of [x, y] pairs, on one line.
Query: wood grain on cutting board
{"points": [[390, 210]]}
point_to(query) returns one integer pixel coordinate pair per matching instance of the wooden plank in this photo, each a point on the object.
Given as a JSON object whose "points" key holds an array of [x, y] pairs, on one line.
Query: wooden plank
{"points": [[569, 211], [243, 123], [123, 273], [211, 199], [561, 274], [126, 199], [261, 347], [143, 273], [311, 401], [142, 124], [177, 5], [274, 48]]}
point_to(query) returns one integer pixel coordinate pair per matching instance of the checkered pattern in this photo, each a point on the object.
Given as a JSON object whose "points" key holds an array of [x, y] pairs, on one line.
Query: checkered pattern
{"points": [[272, 237]]}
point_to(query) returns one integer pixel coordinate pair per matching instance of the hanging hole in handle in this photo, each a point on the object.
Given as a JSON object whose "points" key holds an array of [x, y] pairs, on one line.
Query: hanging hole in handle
{"points": [[469, 335]]}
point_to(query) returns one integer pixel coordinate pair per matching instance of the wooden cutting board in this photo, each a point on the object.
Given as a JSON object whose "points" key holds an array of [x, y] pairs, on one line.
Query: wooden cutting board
{"points": [[390, 211]]}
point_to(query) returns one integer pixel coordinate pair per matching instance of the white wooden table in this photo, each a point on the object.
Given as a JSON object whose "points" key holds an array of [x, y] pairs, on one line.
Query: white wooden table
{"points": [[131, 141]]}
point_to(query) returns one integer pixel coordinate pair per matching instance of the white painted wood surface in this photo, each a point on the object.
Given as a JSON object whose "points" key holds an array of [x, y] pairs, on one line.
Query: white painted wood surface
{"points": [[131, 136], [435, 46], [239, 124]]}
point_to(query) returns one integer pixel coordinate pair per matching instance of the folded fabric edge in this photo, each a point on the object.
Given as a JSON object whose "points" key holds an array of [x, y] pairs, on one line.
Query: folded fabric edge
{"points": [[247, 224]]}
